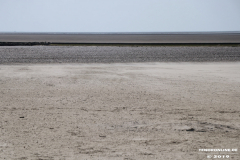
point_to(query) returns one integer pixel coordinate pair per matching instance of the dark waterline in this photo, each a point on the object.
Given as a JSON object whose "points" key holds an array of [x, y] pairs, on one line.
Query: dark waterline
{"points": [[131, 33], [121, 38]]}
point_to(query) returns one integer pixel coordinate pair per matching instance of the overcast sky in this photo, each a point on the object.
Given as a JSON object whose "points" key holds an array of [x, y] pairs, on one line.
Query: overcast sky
{"points": [[119, 15]]}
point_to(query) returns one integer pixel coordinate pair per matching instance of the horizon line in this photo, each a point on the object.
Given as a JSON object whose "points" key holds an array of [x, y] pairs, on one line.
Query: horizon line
{"points": [[191, 32]]}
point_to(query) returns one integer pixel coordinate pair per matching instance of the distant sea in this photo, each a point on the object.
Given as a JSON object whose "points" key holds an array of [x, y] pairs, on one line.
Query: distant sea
{"points": [[124, 33], [228, 37]]}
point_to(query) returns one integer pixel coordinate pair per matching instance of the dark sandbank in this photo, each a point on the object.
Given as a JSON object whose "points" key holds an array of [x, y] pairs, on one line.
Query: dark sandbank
{"points": [[116, 54]]}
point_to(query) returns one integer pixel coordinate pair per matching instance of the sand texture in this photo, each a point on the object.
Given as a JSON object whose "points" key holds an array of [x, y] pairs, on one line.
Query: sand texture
{"points": [[118, 111]]}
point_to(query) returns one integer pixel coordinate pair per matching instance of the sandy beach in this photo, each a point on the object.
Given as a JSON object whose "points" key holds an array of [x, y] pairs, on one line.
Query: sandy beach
{"points": [[119, 111]]}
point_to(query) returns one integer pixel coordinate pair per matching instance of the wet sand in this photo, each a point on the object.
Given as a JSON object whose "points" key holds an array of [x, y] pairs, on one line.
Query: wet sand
{"points": [[119, 111], [115, 54]]}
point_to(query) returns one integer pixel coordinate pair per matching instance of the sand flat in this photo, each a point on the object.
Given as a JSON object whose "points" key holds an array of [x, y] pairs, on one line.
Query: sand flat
{"points": [[117, 111], [116, 54]]}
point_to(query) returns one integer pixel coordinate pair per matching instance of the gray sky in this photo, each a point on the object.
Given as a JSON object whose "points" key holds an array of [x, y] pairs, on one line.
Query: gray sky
{"points": [[119, 15]]}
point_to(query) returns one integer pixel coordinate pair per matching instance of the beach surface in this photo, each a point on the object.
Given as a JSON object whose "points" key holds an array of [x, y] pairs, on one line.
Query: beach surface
{"points": [[118, 111], [116, 54]]}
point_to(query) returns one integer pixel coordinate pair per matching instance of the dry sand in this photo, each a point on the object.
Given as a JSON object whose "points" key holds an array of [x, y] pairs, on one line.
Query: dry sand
{"points": [[119, 111]]}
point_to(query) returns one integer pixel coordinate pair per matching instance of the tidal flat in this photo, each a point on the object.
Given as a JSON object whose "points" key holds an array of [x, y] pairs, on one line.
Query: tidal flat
{"points": [[114, 103], [116, 54]]}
